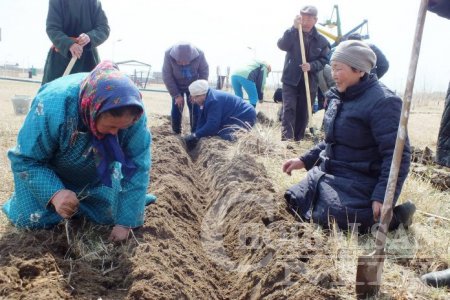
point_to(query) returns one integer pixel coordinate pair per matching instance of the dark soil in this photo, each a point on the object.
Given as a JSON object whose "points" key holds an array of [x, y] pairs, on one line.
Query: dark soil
{"points": [[219, 230]]}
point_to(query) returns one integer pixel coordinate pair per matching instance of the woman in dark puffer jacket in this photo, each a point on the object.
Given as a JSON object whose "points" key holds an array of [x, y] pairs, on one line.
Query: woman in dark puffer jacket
{"points": [[348, 171]]}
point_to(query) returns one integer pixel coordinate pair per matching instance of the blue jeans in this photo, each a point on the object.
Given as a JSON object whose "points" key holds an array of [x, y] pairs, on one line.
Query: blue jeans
{"points": [[177, 114], [239, 83]]}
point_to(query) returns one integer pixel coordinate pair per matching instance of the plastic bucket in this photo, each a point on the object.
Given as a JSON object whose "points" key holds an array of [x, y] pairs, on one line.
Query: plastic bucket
{"points": [[21, 104]]}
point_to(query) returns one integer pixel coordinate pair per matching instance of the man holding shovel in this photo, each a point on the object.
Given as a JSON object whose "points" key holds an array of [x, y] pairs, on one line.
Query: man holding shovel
{"points": [[75, 28], [295, 106]]}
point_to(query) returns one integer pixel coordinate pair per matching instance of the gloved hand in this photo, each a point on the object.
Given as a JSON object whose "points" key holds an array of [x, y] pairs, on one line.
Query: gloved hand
{"points": [[191, 141]]}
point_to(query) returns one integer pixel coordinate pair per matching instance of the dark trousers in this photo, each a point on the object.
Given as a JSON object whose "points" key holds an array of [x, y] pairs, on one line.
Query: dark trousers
{"points": [[220, 82], [443, 144], [177, 114], [294, 118]]}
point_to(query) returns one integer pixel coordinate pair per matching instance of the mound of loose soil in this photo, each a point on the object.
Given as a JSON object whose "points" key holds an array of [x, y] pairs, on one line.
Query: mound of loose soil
{"points": [[218, 231], [40, 265], [424, 166]]}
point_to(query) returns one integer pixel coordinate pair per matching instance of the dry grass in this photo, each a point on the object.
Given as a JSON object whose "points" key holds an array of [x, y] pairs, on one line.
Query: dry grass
{"points": [[424, 248]]}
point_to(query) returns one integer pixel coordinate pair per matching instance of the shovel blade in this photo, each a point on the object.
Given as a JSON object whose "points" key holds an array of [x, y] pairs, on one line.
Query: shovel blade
{"points": [[368, 275]]}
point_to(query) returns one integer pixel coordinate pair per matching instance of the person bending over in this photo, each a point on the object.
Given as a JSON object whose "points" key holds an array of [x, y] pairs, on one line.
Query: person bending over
{"points": [[83, 149], [221, 114]]}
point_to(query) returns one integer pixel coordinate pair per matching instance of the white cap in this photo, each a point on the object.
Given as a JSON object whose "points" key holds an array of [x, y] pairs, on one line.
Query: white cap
{"points": [[198, 87]]}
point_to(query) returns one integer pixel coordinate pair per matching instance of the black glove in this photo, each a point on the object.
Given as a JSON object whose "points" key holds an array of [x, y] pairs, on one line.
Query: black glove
{"points": [[191, 141]]}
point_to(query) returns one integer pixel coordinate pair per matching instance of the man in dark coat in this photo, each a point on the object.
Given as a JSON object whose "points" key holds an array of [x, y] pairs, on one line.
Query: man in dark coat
{"points": [[442, 8], [76, 28], [443, 143], [183, 64], [295, 108], [348, 172], [441, 278]]}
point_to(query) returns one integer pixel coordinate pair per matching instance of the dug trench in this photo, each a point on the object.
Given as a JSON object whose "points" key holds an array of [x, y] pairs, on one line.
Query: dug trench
{"points": [[219, 230]]}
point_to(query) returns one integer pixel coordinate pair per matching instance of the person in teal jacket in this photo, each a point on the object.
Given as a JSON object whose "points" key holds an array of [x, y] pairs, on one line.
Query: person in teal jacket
{"points": [[83, 149], [76, 28], [251, 78]]}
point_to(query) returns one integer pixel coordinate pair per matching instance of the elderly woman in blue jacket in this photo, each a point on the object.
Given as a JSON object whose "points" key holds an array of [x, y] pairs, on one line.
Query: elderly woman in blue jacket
{"points": [[83, 149], [221, 113], [348, 172]]}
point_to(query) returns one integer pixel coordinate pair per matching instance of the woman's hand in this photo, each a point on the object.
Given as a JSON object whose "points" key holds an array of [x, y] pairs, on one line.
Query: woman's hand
{"points": [[65, 203], [376, 208], [293, 164], [119, 233]]}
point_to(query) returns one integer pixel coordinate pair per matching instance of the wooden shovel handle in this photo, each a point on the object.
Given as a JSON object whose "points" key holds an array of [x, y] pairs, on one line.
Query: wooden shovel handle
{"points": [[387, 209], [305, 73], [70, 66]]}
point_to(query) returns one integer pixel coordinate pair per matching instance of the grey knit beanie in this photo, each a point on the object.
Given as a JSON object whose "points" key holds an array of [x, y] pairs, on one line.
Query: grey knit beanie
{"points": [[356, 54]]}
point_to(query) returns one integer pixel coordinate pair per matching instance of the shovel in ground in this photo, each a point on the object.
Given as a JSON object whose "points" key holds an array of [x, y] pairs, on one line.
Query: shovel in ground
{"points": [[306, 79], [370, 267]]}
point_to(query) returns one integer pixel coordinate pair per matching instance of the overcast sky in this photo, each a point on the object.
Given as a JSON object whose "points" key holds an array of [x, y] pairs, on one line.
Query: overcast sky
{"points": [[225, 30]]}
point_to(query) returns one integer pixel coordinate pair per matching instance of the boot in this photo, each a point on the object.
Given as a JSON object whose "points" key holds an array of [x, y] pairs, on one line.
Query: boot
{"points": [[403, 214], [149, 199], [437, 279]]}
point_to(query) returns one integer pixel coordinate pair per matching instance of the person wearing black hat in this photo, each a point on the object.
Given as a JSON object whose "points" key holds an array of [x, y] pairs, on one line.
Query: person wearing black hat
{"points": [[295, 108], [348, 171]]}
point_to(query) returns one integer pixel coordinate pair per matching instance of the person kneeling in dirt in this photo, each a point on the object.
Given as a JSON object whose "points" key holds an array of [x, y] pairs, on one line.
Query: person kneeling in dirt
{"points": [[83, 149], [348, 171], [221, 113]]}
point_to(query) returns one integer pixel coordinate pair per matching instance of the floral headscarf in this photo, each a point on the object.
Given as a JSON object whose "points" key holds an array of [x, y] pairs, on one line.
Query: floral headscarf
{"points": [[106, 88]]}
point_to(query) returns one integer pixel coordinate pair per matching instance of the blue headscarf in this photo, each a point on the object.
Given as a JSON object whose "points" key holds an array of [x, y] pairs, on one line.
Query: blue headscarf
{"points": [[106, 88]]}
